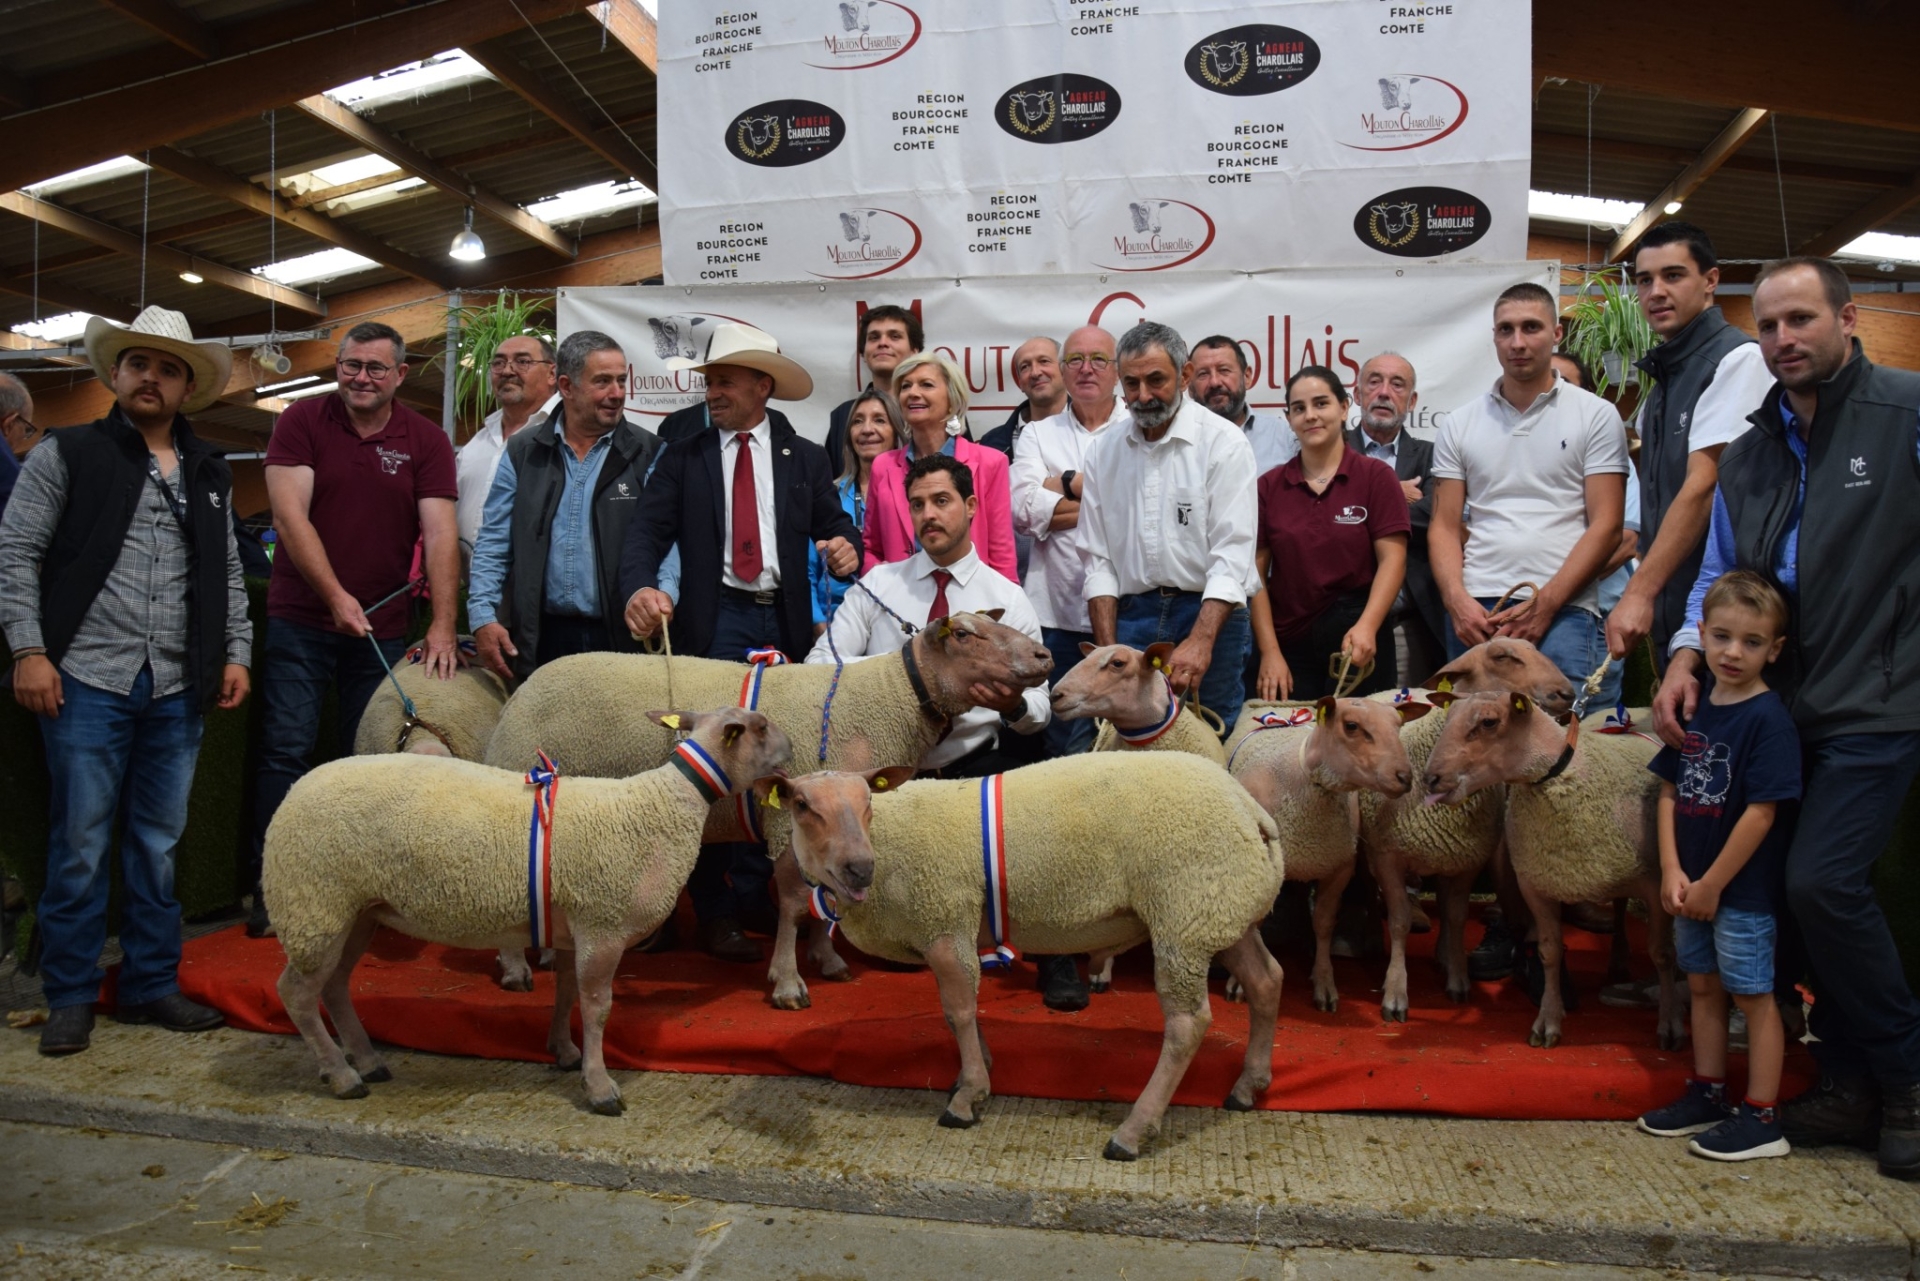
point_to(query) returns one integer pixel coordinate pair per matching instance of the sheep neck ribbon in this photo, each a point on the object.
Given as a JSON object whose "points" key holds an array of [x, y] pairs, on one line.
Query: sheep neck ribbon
{"points": [[702, 771], [1153, 733], [546, 924], [758, 661], [993, 861], [1273, 720]]}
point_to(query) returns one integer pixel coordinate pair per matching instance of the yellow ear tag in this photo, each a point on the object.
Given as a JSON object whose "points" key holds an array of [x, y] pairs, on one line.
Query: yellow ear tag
{"points": [[671, 720], [1158, 663], [880, 783], [1320, 715], [1520, 703], [773, 800], [1444, 685]]}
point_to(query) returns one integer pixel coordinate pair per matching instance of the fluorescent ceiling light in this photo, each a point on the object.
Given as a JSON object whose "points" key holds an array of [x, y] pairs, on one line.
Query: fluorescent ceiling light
{"points": [[62, 328], [328, 264], [193, 277], [118, 167], [303, 393], [586, 202], [1882, 246], [291, 382], [1558, 206], [412, 80]]}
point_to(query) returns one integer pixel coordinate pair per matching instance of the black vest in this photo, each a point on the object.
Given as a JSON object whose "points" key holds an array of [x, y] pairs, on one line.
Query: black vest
{"points": [[1683, 368], [1852, 662], [106, 471], [541, 473]]}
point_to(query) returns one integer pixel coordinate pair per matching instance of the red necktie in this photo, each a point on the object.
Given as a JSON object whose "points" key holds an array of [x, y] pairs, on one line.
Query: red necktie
{"points": [[940, 580], [746, 514]]}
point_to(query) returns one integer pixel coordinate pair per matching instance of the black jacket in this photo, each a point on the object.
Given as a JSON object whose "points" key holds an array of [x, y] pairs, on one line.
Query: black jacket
{"points": [[685, 502], [1413, 460]]}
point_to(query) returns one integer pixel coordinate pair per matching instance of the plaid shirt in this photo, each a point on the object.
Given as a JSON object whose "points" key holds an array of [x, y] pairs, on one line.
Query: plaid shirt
{"points": [[140, 618]]}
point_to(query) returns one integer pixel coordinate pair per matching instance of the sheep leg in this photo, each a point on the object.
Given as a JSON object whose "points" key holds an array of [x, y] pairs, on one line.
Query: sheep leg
{"points": [[300, 994], [1326, 911], [594, 964], [339, 1001], [1100, 971], [1455, 897], [956, 969], [790, 896], [1618, 969], [1675, 1000], [1391, 875], [1546, 922], [566, 991], [1260, 975], [1184, 1006], [515, 974]]}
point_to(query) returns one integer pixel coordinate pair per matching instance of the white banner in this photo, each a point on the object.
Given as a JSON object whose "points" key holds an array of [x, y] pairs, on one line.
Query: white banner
{"points": [[854, 139], [1439, 318]]}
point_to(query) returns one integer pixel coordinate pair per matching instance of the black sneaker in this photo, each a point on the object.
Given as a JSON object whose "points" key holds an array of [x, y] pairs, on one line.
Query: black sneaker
{"points": [[1061, 987], [1749, 1134], [173, 1012], [1900, 1132], [1702, 1107], [1838, 1110], [1493, 959]]}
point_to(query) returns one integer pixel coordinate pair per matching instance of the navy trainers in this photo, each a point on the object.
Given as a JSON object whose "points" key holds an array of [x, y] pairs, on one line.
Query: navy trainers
{"points": [[1702, 1107], [1749, 1134]]}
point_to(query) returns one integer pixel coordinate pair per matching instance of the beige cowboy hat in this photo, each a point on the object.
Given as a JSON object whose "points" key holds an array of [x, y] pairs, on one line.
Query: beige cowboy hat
{"points": [[733, 343], [161, 330]]}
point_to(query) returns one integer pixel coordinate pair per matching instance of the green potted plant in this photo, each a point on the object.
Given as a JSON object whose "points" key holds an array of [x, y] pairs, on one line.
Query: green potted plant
{"points": [[1609, 333], [481, 329]]}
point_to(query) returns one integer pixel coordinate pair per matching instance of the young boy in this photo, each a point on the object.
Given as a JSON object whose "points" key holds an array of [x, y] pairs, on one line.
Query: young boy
{"points": [[1720, 858]]}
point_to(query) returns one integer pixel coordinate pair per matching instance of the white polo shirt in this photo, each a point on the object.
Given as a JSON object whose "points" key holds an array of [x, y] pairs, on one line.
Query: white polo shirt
{"points": [[474, 468], [1057, 566], [1526, 475]]}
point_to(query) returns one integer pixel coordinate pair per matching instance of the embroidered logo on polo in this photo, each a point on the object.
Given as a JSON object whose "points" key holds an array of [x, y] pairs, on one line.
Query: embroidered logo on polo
{"points": [[390, 459], [1351, 516]]}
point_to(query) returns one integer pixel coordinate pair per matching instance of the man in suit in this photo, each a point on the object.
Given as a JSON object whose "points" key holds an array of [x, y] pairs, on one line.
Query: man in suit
{"points": [[745, 502], [1387, 397]]}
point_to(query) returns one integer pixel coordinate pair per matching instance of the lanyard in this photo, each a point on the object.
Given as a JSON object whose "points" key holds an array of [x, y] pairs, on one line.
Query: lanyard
{"points": [[177, 503]]}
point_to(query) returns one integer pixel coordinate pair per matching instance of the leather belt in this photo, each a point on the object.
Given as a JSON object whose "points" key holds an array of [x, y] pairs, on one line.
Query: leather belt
{"points": [[752, 598]]}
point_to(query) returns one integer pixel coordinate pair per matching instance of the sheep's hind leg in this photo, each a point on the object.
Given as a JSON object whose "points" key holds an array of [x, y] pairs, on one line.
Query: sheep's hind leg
{"points": [[1183, 1004], [1455, 897], [339, 999], [594, 964], [1546, 921], [515, 974], [1326, 911], [300, 993], [1391, 876], [956, 968], [566, 991], [1260, 976], [1100, 971]]}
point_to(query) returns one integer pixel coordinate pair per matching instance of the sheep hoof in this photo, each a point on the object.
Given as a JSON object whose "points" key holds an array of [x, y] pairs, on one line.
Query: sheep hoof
{"points": [[358, 1090], [517, 983], [1458, 996], [791, 1002], [379, 1075], [1116, 1151], [1393, 1014], [840, 972], [1671, 1040], [951, 1120], [1100, 986], [1544, 1040], [1234, 1103], [609, 1106], [1327, 1004], [561, 1065]]}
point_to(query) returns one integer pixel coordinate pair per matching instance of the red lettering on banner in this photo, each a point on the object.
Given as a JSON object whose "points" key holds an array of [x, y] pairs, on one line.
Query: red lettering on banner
{"points": [[1099, 308], [971, 385], [1349, 361]]}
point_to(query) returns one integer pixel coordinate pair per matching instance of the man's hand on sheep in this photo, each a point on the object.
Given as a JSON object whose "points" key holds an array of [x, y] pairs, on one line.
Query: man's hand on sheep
{"points": [[443, 651], [1008, 700], [647, 609], [1674, 702], [234, 684], [1529, 621], [36, 686], [842, 560], [495, 648]]}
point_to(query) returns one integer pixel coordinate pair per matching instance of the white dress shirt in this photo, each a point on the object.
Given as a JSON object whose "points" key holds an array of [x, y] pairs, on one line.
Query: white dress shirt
{"points": [[861, 629], [1274, 443], [1178, 512], [1057, 566], [760, 442], [473, 470]]}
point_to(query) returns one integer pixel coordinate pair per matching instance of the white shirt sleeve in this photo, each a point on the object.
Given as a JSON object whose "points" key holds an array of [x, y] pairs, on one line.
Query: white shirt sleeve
{"points": [[1019, 615], [1101, 460], [1448, 463], [1606, 443], [1232, 512], [851, 629], [1033, 503], [1740, 384]]}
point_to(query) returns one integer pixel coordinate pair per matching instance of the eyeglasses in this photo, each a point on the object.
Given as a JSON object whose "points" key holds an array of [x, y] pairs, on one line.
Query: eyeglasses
{"points": [[27, 429], [1099, 363], [520, 363], [371, 368]]}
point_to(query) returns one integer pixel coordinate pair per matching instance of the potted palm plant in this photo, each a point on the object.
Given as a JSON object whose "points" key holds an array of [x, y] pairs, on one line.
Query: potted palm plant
{"points": [[1609, 333], [481, 329]]}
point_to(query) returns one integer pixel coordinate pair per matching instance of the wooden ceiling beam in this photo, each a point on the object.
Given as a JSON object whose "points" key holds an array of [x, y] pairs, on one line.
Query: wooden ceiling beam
{"points": [[535, 139], [1876, 213], [634, 28], [64, 297], [1689, 180], [627, 161], [15, 95], [162, 256], [1573, 144], [172, 24], [418, 163]]}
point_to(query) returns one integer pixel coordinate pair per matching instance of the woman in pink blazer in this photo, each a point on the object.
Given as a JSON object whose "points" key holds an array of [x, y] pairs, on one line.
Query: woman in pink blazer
{"points": [[933, 399]]}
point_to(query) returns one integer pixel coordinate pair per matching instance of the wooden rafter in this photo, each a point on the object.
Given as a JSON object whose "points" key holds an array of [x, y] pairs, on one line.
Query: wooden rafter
{"points": [[1876, 213], [1689, 180], [634, 28], [172, 24], [537, 139], [497, 56], [14, 93], [63, 297], [1573, 144]]}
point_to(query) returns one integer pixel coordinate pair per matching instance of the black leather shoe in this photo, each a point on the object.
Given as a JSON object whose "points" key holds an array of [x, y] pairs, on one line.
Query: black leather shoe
{"points": [[1061, 987], [1533, 977], [724, 940], [173, 1012], [1493, 959], [1837, 1110], [68, 1030], [259, 924], [1900, 1132]]}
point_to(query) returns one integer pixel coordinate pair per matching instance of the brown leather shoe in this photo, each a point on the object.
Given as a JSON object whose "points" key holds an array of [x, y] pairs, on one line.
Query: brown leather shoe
{"points": [[724, 940]]}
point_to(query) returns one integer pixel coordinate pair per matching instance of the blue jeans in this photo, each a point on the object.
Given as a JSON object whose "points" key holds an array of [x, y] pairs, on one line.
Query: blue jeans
{"points": [[1737, 944], [126, 756], [1149, 617], [300, 663], [731, 876], [1575, 643], [1065, 738]]}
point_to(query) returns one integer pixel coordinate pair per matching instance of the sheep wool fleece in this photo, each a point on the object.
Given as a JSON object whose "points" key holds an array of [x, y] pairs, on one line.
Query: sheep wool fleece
{"points": [[1188, 734], [465, 708], [1432, 840], [1590, 833], [1318, 824]]}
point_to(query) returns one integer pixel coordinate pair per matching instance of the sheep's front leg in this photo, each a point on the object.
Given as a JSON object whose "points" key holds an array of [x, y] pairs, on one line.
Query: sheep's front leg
{"points": [[1326, 911], [1260, 976], [1676, 1004], [339, 999], [566, 990], [1546, 922], [1182, 987], [790, 897], [1391, 875], [515, 974], [1455, 896], [300, 993], [594, 964], [956, 968], [1100, 971]]}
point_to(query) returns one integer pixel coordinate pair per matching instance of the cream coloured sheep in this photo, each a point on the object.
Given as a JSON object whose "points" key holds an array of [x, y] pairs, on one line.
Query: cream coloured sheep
{"points": [[1580, 819], [1128, 691], [1090, 853], [440, 849]]}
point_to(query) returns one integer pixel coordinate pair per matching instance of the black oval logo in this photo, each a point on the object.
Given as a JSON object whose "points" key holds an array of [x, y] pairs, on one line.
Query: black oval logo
{"points": [[1254, 59], [1062, 108], [1422, 222], [788, 131]]}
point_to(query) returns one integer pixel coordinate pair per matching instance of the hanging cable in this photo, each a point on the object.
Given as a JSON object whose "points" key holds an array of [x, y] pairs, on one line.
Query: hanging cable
{"points": [[273, 223], [146, 192], [36, 255], [1591, 91], [1780, 182], [576, 80]]}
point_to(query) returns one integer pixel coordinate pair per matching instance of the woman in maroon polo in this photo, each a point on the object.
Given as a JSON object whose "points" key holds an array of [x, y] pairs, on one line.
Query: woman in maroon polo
{"points": [[1332, 550]]}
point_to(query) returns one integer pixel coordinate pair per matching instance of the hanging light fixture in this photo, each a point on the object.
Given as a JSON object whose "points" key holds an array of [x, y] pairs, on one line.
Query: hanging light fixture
{"points": [[467, 246]]}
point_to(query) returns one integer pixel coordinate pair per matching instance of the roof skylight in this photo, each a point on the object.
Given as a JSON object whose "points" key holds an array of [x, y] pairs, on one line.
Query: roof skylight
{"points": [[1558, 206], [307, 269], [1882, 246], [411, 80], [582, 203], [65, 327], [118, 167]]}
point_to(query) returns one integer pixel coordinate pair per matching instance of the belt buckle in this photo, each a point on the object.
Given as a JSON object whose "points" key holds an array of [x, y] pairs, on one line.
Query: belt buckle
{"points": [[763, 598]]}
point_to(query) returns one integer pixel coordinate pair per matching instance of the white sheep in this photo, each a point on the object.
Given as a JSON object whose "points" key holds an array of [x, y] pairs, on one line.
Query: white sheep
{"points": [[1100, 852], [1580, 826], [439, 849], [1127, 690], [582, 711]]}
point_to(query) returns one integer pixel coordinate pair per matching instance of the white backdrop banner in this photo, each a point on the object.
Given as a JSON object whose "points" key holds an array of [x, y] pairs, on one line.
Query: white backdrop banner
{"points": [[854, 139], [1439, 318]]}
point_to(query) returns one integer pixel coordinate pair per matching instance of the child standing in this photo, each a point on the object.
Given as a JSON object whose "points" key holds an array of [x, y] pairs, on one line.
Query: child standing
{"points": [[1721, 853]]}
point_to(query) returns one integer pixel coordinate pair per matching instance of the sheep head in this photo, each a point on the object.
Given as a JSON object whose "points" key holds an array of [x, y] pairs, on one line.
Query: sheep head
{"points": [[1491, 738], [967, 650], [1117, 683], [1355, 745], [744, 744], [832, 815], [1504, 663]]}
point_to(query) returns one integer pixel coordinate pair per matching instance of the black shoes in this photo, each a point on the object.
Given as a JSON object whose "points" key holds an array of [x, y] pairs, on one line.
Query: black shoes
{"points": [[68, 1030], [1493, 959], [1061, 987], [1838, 1110], [173, 1012], [259, 924], [724, 940], [1900, 1132]]}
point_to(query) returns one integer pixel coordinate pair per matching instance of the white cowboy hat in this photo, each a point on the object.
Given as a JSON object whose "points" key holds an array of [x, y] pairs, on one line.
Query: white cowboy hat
{"points": [[733, 343], [161, 330]]}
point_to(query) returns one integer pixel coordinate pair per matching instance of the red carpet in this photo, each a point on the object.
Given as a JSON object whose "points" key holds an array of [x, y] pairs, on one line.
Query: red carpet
{"points": [[683, 1012]]}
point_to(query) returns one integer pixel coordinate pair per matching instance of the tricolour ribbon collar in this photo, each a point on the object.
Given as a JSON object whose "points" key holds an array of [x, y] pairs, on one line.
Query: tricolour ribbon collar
{"points": [[1153, 733], [758, 661], [701, 770], [543, 919], [993, 860], [1275, 719]]}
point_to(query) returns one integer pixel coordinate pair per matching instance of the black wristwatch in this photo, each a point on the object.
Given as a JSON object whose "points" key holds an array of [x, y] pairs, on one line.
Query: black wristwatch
{"points": [[1066, 482]]}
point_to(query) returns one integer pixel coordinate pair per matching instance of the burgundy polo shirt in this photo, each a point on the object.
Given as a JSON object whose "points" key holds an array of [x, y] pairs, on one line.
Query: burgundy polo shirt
{"points": [[366, 496], [1322, 544]]}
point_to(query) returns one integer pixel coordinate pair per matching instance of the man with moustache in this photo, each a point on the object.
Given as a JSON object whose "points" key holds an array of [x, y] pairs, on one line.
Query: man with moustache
{"points": [[886, 336], [1219, 382], [1822, 496], [1387, 396], [521, 375], [546, 570]]}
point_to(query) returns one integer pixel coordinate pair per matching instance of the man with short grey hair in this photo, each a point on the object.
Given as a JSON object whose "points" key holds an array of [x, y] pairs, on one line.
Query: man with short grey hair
{"points": [[1386, 394], [546, 564], [521, 375], [16, 426]]}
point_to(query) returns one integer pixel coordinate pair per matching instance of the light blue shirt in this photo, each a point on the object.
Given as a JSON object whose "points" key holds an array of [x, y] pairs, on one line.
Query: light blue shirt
{"points": [[1615, 584]]}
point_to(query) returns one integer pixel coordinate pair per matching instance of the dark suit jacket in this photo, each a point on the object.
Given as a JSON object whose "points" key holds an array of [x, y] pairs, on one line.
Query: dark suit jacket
{"points": [[1413, 460], [693, 420], [685, 502]]}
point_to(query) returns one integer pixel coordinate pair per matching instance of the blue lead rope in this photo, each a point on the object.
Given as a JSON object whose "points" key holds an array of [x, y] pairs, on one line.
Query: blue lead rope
{"points": [[413, 713]]}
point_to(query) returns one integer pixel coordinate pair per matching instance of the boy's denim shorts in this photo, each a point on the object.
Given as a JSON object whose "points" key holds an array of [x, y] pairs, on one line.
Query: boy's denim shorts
{"points": [[1737, 944]]}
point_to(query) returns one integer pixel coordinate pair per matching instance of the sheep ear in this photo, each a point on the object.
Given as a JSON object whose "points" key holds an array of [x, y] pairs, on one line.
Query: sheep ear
{"points": [[994, 614], [772, 791], [1441, 698], [1412, 711], [675, 721], [889, 778], [1521, 703], [1086, 648], [1160, 656], [1444, 680], [1323, 710], [731, 734]]}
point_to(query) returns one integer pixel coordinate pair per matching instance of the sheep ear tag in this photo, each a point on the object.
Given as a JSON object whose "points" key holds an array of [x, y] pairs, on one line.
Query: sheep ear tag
{"points": [[1323, 711], [670, 721], [1521, 703], [1444, 685]]}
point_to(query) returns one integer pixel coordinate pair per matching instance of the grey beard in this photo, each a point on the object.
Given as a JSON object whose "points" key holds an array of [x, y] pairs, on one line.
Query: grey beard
{"points": [[1149, 414], [1235, 409]]}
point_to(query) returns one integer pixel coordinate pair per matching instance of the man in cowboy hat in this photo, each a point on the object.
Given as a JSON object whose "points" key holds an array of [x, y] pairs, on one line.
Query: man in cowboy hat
{"points": [[745, 502], [121, 598]]}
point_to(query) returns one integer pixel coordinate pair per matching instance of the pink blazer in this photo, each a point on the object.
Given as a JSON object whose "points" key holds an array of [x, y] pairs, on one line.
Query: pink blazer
{"points": [[889, 532]]}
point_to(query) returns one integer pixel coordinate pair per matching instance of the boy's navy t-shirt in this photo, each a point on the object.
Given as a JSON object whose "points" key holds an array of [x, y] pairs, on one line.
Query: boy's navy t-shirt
{"points": [[1735, 755]]}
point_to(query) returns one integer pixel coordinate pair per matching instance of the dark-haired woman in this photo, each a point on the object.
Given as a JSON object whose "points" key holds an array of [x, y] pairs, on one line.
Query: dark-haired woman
{"points": [[873, 427]]}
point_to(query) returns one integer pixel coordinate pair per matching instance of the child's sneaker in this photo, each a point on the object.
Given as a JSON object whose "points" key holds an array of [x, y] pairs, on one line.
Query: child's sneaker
{"points": [[1702, 1107], [1750, 1133]]}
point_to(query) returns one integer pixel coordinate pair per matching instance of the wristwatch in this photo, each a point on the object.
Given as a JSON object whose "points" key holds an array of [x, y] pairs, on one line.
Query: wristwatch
{"points": [[1066, 482]]}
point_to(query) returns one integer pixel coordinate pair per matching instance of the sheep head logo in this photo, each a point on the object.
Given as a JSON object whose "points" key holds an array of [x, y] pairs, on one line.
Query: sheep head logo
{"points": [[1031, 112], [1146, 215], [1224, 62], [856, 15], [678, 336], [1394, 225], [856, 224], [758, 136], [1393, 93]]}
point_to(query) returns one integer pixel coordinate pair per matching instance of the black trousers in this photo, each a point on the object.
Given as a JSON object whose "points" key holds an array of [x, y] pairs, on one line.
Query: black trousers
{"points": [[732, 877], [564, 635], [1307, 653]]}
